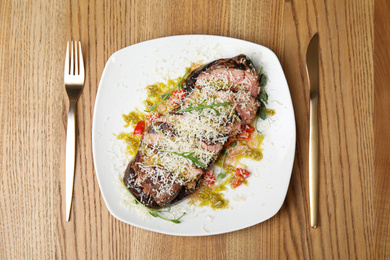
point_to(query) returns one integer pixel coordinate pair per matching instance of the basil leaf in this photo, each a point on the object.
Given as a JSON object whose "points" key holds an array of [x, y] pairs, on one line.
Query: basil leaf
{"points": [[262, 80], [263, 114], [264, 97], [262, 105]]}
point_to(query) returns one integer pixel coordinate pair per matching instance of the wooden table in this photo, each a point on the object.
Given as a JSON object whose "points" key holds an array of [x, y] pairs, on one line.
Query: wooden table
{"points": [[354, 198]]}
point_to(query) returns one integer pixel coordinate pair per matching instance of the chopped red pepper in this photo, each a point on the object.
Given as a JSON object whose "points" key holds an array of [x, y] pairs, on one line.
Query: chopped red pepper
{"points": [[239, 177], [209, 177], [237, 181], [152, 117], [242, 173], [139, 128], [177, 96], [246, 131]]}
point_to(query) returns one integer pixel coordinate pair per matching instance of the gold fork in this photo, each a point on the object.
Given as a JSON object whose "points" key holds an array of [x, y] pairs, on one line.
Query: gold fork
{"points": [[74, 82]]}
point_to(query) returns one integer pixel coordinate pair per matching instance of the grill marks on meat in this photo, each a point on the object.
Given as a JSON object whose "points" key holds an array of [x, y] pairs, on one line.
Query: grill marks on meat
{"points": [[155, 182], [142, 185]]}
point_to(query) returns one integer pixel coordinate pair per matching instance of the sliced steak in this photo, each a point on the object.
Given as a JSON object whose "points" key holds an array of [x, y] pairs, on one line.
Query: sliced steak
{"points": [[237, 71], [178, 147]]}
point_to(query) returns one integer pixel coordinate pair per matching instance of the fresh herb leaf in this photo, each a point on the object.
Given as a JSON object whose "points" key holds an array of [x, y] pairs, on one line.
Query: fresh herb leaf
{"points": [[196, 161], [153, 107], [262, 105], [201, 107], [154, 213], [168, 94], [263, 114], [222, 174], [264, 97], [177, 221], [262, 80]]}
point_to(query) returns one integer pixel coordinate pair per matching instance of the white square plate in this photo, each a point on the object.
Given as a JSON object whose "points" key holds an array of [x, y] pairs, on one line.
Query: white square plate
{"points": [[121, 90]]}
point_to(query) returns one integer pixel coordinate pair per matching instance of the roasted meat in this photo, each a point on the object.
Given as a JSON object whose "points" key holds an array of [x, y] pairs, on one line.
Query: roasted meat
{"points": [[178, 147]]}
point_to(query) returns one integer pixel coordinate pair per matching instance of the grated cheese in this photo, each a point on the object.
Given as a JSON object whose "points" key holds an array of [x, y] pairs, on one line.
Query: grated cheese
{"points": [[200, 132]]}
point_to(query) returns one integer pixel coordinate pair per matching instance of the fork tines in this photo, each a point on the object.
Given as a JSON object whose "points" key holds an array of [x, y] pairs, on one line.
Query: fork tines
{"points": [[73, 64]]}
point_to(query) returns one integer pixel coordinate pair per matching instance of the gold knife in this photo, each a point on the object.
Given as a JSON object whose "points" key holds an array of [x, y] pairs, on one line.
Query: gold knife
{"points": [[312, 73]]}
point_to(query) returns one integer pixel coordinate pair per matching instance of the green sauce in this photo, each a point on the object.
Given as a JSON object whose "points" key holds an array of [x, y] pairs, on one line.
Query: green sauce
{"points": [[271, 112], [212, 197], [133, 118], [254, 154], [156, 90], [132, 141]]}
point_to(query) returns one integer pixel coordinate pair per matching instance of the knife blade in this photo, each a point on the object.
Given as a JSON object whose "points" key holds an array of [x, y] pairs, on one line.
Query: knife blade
{"points": [[313, 78]]}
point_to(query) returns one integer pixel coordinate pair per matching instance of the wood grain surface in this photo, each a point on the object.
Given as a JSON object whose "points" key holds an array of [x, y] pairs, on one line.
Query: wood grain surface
{"points": [[381, 127], [354, 198]]}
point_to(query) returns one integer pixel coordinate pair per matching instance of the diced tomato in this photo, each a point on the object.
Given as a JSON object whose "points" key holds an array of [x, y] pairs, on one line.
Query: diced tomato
{"points": [[239, 177], [177, 96], [209, 177], [152, 117], [242, 173], [139, 128], [246, 131], [237, 181]]}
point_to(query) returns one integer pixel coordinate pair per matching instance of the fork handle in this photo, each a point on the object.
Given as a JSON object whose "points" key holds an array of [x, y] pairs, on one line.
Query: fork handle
{"points": [[70, 156]]}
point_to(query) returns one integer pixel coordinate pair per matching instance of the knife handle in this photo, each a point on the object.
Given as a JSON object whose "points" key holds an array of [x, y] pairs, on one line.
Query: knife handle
{"points": [[313, 162]]}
